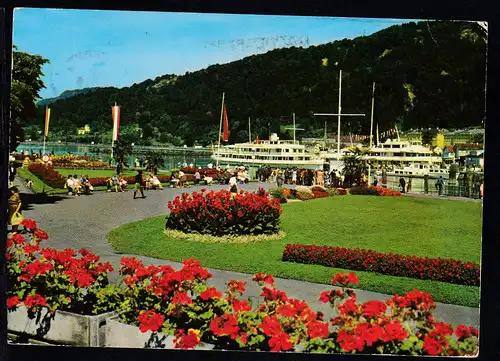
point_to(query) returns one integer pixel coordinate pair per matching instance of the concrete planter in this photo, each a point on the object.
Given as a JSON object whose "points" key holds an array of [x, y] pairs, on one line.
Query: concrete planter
{"points": [[65, 328], [117, 334]]}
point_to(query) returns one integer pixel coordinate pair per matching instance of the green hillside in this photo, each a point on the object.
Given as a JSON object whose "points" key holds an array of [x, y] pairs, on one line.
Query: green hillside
{"points": [[427, 74]]}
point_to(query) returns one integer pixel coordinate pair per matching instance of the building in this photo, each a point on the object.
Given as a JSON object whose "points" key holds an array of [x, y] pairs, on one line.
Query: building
{"points": [[84, 130], [475, 159], [464, 136], [449, 154]]}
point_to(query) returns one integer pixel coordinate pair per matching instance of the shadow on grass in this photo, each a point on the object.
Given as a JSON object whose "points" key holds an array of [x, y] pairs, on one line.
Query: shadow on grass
{"points": [[28, 199]]}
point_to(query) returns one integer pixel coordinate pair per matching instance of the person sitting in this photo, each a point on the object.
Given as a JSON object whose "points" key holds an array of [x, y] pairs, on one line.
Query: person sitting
{"points": [[122, 183], [113, 182], [149, 181], [197, 177], [182, 179], [232, 184], [70, 184], [85, 184], [208, 180], [155, 182], [174, 180], [78, 185]]}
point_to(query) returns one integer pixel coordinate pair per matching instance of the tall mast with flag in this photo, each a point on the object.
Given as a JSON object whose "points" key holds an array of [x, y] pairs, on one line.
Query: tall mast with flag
{"points": [[115, 111], [223, 116], [46, 130]]}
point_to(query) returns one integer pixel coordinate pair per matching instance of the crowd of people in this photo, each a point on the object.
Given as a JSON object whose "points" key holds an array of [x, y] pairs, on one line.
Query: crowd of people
{"points": [[297, 176], [78, 186]]}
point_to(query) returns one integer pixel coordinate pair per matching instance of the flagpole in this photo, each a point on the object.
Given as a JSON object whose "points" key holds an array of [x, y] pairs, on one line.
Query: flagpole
{"points": [[43, 144], [112, 139], [220, 128], [371, 124], [294, 128], [249, 132], [377, 135], [340, 112]]}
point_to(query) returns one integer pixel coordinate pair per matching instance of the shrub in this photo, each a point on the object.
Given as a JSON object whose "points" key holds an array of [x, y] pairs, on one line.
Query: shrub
{"points": [[320, 194], [365, 191], [47, 174], [304, 196], [318, 188], [341, 191], [221, 213], [384, 192], [280, 193], [303, 189], [437, 269]]}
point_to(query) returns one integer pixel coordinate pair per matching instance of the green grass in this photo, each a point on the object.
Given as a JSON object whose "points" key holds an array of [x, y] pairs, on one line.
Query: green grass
{"points": [[96, 173], [38, 185], [406, 225]]}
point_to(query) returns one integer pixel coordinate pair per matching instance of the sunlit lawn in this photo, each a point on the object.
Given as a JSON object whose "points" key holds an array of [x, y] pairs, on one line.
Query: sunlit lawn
{"points": [[406, 225]]}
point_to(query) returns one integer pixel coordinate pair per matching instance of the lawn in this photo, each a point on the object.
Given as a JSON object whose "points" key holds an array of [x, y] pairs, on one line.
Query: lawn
{"points": [[97, 173], [406, 225]]}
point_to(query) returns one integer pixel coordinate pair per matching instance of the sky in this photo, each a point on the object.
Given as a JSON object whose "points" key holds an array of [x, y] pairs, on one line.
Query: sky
{"points": [[89, 48]]}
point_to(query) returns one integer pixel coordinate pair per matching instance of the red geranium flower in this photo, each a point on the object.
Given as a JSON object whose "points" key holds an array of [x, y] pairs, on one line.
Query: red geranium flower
{"points": [[265, 278], [373, 309], [241, 306], [271, 326], [188, 341], [210, 293], [287, 310], [225, 325], [280, 342], [40, 234], [236, 286], [35, 300], [17, 239], [317, 329], [181, 298], [29, 249], [150, 321], [130, 263], [13, 302], [29, 224]]}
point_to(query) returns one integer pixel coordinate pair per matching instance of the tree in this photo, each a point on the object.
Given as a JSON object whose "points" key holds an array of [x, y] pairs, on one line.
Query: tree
{"points": [[428, 136], [155, 160], [26, 85], [121, 150], [354, 166]]}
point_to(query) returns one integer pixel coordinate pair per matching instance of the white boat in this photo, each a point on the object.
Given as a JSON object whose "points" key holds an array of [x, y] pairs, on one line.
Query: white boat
{"points": [[272, 152]]}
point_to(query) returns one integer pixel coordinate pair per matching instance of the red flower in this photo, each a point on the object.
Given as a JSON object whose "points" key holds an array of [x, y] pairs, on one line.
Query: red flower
{"points": [[29, 224], [40, 234], [130, 264], [287, 310], [243, 338], [273, 295], [265, 278], [13, 302], [432, 346], [317, 329], [188, 341], [225, 325], [150, 321], [344, 280], [29, 249], [84, 279], [349, 342], [17, 239], [241, 306], [349, 307], [394, 331], [280, 342], [373, 309], [35, 300], [236, 286], [181, 298], [271, 326], [210, 293]]}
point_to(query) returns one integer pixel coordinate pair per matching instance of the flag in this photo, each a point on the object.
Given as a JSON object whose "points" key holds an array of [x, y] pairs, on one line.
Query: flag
{"points": [[116, 121], [226, 125], [47, 119]]}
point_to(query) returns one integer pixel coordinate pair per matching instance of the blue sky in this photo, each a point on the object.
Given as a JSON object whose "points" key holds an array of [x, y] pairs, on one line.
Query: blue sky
{"points": [[118, 48]]}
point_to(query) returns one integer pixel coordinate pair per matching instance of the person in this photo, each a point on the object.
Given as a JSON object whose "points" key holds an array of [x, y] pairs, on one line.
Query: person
{"points": [[139, 184], [149, 181], [408, 187], [481, 191], [12, 174], [155, 182], [174, 180], [14, 208], [208, 180], [197, 177], [294, 177], [440, 184], [115, 182], [122, 183], [85, 184], [70, 184], [279, 179], [78, 185], [320, 178], [402, 184], [379, 180], [232, 184], [136, 163]]}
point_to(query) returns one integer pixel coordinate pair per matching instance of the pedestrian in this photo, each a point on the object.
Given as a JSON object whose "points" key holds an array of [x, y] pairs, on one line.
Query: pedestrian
{"points": [[139, 184], [12, 174], [279, 179], [232, 184], [402, 184], [440, 184], [481, 191], [294, 177], [408, 186]]}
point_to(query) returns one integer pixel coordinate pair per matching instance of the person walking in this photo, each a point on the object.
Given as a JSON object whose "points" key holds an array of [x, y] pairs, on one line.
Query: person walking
{"points": [[139, 184], [402, 184], [232, 184], [408, 186], [440, 184]]}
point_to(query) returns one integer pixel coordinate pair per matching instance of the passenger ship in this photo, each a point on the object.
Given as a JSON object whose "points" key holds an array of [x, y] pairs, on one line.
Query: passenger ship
{"points": [[272, 152]]}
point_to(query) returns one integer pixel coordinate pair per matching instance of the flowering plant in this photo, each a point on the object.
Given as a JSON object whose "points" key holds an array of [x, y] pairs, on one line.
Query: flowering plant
{"points": [[47, 174], [437, 269], [45, 277], [384, 192], [180, 303], [223, 213]]}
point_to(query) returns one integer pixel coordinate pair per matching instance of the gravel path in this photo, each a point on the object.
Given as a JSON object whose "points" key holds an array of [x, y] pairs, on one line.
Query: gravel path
{"points": [[85, 221]]}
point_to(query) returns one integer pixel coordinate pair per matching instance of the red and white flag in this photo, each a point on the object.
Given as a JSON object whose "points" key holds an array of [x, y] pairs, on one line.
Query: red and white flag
{"points": [[226, 126], [47, 119], [116, 121]]}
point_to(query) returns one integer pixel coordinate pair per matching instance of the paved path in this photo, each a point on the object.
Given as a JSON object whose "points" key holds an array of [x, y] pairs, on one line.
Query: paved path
{"points": [[85, 221], [444, 197]]}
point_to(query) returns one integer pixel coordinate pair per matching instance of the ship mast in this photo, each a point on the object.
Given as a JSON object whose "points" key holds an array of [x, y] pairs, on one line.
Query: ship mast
{"points": [[220, 129]]}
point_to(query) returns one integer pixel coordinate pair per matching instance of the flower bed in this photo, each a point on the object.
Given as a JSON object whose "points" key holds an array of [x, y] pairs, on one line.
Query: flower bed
{"points": [[221, 213], [206, 238], [365, 191], [169, 302], [48, 175], [320, 194], [384, 192], [101, 181], [437, 269]]}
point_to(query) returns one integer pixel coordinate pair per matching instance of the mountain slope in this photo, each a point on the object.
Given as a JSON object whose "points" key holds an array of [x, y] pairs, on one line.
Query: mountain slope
{"points": [[426, 74]]}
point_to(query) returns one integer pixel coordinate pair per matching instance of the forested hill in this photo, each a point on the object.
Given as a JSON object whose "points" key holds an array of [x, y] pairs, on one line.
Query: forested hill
{"points": [[64, 95], [427, 74]]}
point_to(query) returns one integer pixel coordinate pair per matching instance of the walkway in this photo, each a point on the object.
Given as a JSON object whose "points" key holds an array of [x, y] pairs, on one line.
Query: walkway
{"points": [[85, 221]]}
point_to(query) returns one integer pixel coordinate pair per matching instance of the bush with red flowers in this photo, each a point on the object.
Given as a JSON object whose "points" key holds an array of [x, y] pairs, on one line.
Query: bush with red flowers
{"points": [[320, 193], [384, 192], [47, 174], [364, 191], [437, 269], [341, 191], [223, 213], [180, 303], [78, 161], [47, 278]]}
